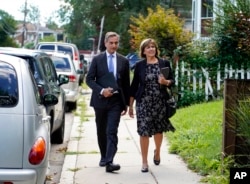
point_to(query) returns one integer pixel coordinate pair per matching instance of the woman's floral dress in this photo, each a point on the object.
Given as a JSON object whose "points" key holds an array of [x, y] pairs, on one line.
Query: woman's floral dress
{"points": [[151, 110]]}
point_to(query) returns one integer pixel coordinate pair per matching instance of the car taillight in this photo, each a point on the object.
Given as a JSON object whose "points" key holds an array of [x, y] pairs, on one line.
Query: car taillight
{"points": [[75, 56], [72, 78], [37, 151], [7, 182]]}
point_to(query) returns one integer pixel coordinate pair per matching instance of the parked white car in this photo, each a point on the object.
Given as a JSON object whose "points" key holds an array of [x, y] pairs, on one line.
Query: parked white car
{"points": [[69, 48], [65, 66], [24, 125]]}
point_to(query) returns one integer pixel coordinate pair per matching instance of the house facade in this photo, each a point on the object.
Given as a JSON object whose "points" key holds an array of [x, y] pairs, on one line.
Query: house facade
{"points": [[32, 33], [198, 15], [202, 17]]}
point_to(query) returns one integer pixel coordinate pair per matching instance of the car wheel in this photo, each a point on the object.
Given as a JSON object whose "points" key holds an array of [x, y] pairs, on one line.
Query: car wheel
{"points": [[58, 135], [81, 80], [72, 106]]}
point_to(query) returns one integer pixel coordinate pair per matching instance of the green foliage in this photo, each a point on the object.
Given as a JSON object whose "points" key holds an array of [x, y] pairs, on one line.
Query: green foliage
{"points": [[198, 140], [83, 19], [7, 28], [231, 31], [230, 44], [187, 98], [242, 114], [162, 25], [29, 45], [50, 38], [33, 14], [51, 24], [199, 53], [79, 23], [241, 117]]}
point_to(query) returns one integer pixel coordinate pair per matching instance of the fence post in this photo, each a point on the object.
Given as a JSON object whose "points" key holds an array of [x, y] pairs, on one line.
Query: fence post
{"points": [[235, 91]]}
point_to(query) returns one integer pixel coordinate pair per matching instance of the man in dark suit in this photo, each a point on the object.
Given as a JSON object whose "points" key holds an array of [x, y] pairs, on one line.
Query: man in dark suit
{"points": [[110, 97]]}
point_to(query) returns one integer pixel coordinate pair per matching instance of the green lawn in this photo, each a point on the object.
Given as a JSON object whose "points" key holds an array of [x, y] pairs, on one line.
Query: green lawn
{"points": [[198, 140]]}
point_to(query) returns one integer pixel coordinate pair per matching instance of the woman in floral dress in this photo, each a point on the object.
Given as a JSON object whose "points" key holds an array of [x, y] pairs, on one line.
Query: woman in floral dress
{"points": [[148, 88]]}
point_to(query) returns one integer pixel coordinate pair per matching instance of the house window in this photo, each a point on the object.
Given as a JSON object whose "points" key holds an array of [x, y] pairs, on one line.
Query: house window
{"points": [[206, 17]]}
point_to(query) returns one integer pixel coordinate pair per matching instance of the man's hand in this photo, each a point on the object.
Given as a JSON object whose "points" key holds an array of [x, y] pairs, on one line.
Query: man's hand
{"points": [[107, 92]]}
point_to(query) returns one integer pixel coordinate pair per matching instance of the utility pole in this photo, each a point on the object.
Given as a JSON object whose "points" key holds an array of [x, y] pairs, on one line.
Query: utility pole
{"points": [[100, 35], [24, 22]]}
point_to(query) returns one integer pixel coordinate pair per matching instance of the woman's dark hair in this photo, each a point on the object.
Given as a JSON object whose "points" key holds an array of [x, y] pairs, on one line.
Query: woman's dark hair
{"points": [[145, 43]]}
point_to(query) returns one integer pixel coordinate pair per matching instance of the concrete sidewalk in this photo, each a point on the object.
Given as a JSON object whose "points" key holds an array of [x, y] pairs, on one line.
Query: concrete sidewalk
{"points": [[83, 168]]}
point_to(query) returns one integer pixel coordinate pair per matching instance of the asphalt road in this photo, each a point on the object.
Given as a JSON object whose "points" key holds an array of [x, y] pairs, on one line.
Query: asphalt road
{"points": [[57, 152]]}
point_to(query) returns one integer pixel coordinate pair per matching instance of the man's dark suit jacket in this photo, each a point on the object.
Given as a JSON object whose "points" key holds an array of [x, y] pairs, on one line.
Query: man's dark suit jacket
{"points": [[98, 69], [138, 82]]}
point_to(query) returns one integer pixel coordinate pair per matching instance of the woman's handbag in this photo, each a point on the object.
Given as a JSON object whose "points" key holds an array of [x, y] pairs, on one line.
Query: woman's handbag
{"points": [[171, 103]]}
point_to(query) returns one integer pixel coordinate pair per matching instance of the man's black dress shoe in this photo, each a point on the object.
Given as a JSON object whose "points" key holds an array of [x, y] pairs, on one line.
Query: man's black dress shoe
{"points": [[102, 163], [112, 167]]}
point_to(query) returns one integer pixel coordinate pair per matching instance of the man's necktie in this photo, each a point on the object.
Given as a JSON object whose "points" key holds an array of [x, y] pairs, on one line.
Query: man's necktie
{"points": [[111, 64]]}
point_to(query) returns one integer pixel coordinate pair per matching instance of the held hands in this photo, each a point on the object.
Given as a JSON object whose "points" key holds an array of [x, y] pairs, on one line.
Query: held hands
{"points": [[107, 92], [163, 81]]}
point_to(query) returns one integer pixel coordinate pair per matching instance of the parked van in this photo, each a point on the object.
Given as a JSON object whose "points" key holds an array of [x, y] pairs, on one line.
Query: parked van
{"points": [[66, 48]]}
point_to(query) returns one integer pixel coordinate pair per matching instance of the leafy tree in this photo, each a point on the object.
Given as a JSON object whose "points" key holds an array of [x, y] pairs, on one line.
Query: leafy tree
{"points": [[231, 31], [33, 14], [51, 24], [76, 14], [162, 25], [7, 29], [83, 18]]}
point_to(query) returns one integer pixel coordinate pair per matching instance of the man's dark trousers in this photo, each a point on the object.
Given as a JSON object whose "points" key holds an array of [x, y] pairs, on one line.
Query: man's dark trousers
{"points": [[108, 119]]}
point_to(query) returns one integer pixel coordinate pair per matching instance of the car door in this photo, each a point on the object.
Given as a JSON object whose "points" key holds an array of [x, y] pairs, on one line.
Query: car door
{"points": [[11, 113], [51, 75]]}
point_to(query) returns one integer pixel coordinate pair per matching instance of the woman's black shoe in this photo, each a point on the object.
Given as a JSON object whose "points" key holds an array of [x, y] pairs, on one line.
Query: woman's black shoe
{"points": [[156, 162], [144, 169]]}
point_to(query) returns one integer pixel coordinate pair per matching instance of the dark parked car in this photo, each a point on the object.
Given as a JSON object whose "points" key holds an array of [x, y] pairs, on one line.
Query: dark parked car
{"points": [[48, 83], [24, 125]]}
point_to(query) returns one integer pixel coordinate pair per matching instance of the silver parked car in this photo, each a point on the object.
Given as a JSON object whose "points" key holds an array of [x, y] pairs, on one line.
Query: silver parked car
{"points": [[65, 66], [24, 125], [48, 83]]}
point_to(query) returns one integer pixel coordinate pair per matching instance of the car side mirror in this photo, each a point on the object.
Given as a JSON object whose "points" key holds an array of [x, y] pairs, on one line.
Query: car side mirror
{"points": [[63, 79], [50, 99]]}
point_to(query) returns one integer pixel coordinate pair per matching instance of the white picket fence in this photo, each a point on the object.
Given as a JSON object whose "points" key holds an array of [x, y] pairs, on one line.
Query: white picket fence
{"points": [[199, 78]]}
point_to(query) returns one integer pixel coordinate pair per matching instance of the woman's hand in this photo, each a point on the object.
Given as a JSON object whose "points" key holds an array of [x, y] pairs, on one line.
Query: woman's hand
{"points": [[163, 81], [131, 112]]}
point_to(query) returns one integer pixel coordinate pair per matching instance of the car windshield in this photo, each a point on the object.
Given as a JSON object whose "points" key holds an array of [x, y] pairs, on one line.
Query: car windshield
{"points": [[66, 49], [8, 85], [47, 47], [61, 63]]}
